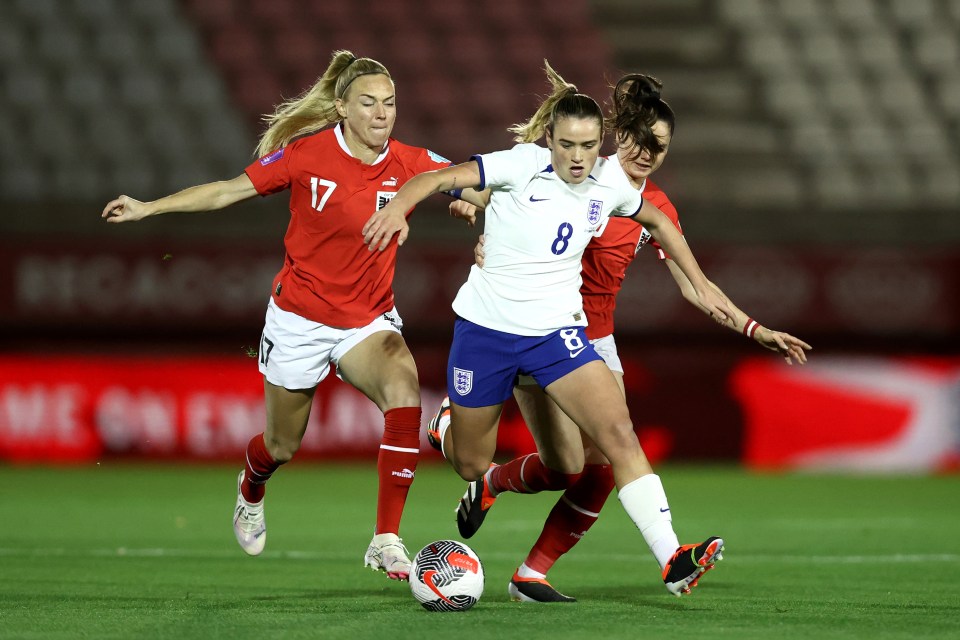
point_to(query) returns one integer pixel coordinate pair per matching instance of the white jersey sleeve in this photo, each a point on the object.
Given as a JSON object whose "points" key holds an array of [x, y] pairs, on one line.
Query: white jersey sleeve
{"points": [[632, 199], [511, 169]]}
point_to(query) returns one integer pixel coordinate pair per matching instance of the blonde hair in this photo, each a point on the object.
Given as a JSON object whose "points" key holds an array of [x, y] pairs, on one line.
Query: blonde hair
{"points": [[564, 102], [316, 107]]}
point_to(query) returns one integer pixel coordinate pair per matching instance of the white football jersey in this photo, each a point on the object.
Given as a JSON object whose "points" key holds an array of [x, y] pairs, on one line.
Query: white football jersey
{"points": [[536, 228]]}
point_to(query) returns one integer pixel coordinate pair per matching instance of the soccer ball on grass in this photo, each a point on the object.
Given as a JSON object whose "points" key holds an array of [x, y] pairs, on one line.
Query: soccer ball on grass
{"points": [[446, 575]]}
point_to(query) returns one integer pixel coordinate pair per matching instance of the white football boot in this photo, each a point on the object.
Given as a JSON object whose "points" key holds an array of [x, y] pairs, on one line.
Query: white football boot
{"points": [[387, 553], [249, 524]]}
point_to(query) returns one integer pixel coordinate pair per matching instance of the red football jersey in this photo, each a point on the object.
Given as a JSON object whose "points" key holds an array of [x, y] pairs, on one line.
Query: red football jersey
{"points": [[328, 274], [607, 257]]}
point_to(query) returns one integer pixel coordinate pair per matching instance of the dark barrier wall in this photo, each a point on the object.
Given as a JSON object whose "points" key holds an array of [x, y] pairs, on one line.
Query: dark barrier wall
{"points": [[143, 287]]}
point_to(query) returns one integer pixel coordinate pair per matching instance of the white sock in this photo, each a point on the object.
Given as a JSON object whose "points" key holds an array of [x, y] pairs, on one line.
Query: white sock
{"points": [[493, 492], [526, 572], [443, 424], [646, 503]]}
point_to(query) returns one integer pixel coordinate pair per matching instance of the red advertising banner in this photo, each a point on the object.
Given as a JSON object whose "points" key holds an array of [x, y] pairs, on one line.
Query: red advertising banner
{"points": [[78, 408], [868, 414]]}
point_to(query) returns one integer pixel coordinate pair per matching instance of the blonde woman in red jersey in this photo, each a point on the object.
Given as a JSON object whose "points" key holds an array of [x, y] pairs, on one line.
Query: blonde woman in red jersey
{"points": [[332, 301], [566, 459]]}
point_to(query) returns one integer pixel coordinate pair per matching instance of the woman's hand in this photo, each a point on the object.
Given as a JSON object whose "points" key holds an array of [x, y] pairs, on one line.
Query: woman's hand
{"points": [[465, 211], [715, 305], [383, 225], [789, 347], [124, 209], [478, 254]]}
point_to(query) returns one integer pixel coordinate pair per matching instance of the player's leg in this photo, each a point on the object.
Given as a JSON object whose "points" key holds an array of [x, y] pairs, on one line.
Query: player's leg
{"points": [[589, 395], [475, 435], [555, 466], [481, 371], [569, 520], [380, 366], [471, 440], [293, 358], [287, 414], [559, 458]]}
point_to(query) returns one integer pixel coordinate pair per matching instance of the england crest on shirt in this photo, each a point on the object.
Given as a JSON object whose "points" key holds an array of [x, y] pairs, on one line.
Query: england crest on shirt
{"points": [[594, 211], [462, 381]]}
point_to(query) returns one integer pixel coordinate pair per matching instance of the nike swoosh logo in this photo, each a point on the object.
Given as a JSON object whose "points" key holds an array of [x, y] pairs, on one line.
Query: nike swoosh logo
{"points": [[574, 354], [532, 199], [428, 580], [662, 510]]}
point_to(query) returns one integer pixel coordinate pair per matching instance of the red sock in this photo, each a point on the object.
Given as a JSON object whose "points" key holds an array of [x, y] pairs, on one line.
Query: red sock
{"points": [[529, 475], [396, 464], [260, 466], [571, 518]]}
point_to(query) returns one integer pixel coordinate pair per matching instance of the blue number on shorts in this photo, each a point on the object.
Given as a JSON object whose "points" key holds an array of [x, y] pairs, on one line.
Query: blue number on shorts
{"points": [[564, 231]]}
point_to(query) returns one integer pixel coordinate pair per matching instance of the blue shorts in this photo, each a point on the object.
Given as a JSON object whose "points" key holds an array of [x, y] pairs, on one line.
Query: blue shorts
{"points": [[484, 363]]}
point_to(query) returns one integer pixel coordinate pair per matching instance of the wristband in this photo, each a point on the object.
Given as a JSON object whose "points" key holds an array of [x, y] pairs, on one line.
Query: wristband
{"points": [[750, 327]]}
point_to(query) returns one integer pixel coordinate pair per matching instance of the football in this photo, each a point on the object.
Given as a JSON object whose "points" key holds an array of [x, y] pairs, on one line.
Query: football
{"points": [[446, 575]]}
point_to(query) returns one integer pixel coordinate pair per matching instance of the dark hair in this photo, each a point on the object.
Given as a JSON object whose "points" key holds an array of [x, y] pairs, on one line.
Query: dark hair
{"points": [[563, 102], [637, 107]]}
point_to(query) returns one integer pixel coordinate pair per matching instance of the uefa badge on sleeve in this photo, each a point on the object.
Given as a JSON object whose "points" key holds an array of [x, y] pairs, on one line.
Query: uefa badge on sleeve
{"points": [[462, 381]]}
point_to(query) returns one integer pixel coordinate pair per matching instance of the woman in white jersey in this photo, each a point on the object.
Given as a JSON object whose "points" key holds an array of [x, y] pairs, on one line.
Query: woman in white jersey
{"points": [[636, 108], [522, 313]]}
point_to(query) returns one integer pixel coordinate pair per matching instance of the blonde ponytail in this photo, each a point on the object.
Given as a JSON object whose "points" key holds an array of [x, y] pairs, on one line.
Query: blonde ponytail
{"points": [[534, 128]]}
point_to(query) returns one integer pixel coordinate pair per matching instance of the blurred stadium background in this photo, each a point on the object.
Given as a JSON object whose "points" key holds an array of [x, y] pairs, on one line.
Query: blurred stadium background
{"points": [[816, 169]]}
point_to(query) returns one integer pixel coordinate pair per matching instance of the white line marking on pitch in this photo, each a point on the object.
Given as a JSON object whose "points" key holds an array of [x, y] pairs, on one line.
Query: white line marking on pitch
{"points": [[150, 552]]}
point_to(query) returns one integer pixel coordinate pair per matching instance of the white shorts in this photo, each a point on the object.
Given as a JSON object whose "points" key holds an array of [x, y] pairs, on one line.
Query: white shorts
{"points": [[296, 353], [606, 348]]}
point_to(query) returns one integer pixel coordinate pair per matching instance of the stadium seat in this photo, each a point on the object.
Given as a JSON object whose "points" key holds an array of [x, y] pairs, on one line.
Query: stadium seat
{"points": [[14, 45], [118, 48], [35, 13], [85, 88], [214, 14], [825, 53], [174, 46], [92, 13], [28, 86], [936, 49], [855, 15], [805, 15], [271, 15], [61, 46], [236, 47]]}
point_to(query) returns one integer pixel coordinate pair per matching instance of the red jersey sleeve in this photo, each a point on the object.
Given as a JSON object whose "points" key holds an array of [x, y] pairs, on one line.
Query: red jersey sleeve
{"points": [[659, 199], [271, 173], [425, 160]]}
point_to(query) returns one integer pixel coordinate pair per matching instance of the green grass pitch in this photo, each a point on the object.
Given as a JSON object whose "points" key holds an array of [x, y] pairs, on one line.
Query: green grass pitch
{"points": [[124, 551]]}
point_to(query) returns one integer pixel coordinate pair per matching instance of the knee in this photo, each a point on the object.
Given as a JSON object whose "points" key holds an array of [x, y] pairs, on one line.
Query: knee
{"points": [[400, 393], [567, 462], [470, 470], [593, 455], [281, 450], [620, 441]]}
